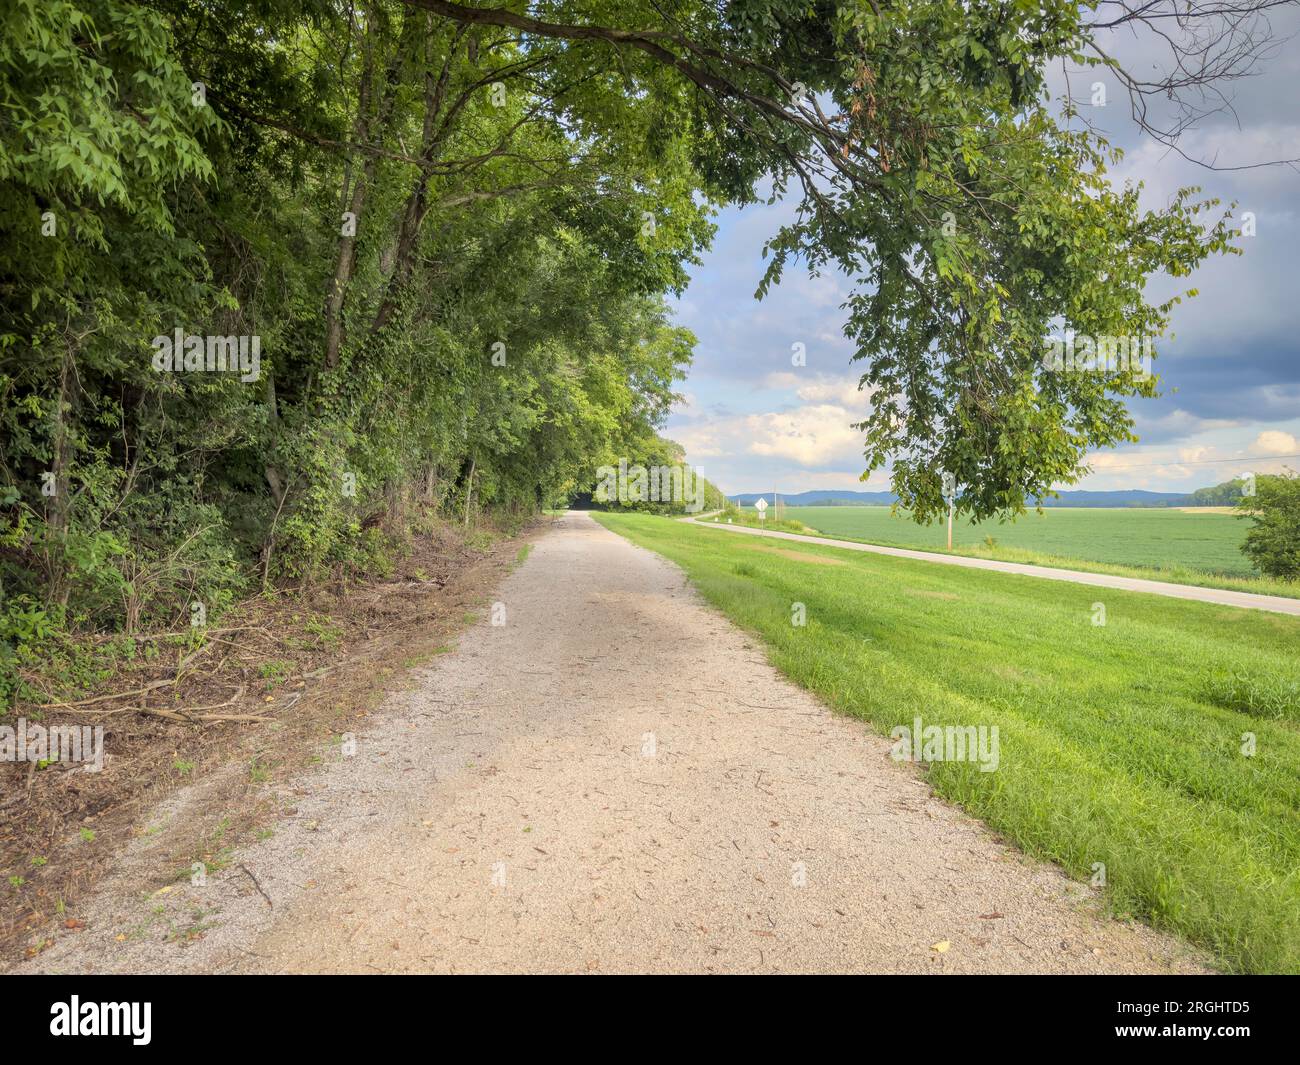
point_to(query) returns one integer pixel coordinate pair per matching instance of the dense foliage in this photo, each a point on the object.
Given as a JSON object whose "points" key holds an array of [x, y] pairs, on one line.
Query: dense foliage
{"points": [[447, 233], [1226, 494], [489, 330], [1273, 539]]}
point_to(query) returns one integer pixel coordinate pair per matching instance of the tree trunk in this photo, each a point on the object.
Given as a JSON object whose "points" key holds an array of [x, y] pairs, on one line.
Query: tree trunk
{"points": [[416, 207], [374, 108], [469, 488]]}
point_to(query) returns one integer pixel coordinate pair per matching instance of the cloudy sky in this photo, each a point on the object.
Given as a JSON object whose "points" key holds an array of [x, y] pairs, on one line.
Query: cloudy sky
{"points": [[1230, 373]]}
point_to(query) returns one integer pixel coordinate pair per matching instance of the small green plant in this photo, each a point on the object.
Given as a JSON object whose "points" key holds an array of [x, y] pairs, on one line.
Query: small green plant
{"points": [[275, 673], [327, 633], [38, 860], [16, 881], [182, 767], [88, 835]]}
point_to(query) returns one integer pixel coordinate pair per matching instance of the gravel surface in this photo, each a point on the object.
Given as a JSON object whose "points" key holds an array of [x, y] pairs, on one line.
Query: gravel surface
{"points": [[614, 780]]}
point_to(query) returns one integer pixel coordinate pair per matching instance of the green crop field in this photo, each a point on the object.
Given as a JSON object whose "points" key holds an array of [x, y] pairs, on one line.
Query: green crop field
{"points": [[1127, 537], [1164, 744], [1200, 547]]}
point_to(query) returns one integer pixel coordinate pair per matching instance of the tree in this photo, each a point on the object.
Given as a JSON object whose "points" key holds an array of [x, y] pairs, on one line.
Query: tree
{"points": [[452, 229], [930, 167], [456, 300], [1273, 540]]}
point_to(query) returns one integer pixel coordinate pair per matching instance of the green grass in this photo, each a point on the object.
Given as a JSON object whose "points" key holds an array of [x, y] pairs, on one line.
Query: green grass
{"points": [[1120, 744], [1184, 547]]}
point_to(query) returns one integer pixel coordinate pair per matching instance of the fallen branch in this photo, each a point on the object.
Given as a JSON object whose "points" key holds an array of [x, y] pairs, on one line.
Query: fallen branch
{"points": [[152, 686], [257, 884], [143, 636], [194, 719]]}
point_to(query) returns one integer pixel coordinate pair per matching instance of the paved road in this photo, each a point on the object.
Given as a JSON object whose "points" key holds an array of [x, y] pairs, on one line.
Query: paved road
{"points": [[614, 780], [1278, 604]]}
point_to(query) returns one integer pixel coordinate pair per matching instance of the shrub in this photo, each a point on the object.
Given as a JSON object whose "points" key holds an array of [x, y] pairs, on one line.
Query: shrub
{"points": [[1273, 541]]}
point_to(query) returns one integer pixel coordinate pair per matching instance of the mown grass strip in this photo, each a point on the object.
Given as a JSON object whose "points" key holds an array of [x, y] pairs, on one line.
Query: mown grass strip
{"points": [[1116, 745]]}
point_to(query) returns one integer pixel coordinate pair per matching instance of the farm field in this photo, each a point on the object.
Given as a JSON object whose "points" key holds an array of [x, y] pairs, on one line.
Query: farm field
{"points": [[1120, 744], [1193, 546], [1154, 538]]}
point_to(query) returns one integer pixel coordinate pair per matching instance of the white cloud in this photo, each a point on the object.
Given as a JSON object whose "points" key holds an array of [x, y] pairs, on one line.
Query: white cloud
{"points": [[703, 441], [842, 392], [814, 435], [1274, 442], [781, 380]]}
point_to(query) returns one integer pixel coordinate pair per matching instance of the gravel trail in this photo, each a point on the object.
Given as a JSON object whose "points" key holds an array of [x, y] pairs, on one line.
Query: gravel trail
{"points": [[614, 780]]}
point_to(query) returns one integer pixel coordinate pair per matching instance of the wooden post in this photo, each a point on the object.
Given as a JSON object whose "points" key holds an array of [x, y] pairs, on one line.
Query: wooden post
{"points": [[950, 508]]}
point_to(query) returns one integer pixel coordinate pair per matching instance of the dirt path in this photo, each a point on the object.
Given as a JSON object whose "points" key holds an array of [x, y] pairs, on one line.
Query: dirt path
{"points": [[1277, 604], [613, 780]]}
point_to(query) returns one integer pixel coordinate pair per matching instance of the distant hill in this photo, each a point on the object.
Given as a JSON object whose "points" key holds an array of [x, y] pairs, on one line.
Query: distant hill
{"points": [[1129, 497]]}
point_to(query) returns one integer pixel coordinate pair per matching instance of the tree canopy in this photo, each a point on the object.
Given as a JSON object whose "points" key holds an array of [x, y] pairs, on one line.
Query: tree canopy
{"points": [[451, 230]]}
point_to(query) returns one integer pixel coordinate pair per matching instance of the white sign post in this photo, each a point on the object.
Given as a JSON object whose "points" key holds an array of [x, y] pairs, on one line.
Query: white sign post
{"points": [[761, 506]]}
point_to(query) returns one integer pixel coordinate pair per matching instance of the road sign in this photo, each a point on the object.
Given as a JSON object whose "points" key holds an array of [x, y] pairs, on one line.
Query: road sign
{"points": [[760, 505]]}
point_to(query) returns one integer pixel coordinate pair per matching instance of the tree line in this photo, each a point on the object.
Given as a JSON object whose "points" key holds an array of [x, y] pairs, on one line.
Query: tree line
{"points": [[453, 283]]}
